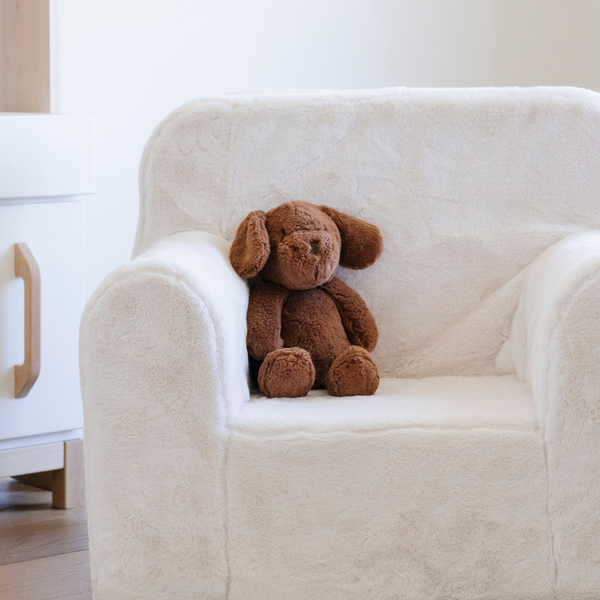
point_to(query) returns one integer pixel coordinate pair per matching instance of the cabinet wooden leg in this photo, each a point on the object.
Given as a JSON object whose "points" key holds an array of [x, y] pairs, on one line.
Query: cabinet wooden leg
{"points": [[68, 488], [67, 484]]}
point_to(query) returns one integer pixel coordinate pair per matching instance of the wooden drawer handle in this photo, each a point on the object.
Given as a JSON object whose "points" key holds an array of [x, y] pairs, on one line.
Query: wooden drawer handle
{"points": [[26, 267]]}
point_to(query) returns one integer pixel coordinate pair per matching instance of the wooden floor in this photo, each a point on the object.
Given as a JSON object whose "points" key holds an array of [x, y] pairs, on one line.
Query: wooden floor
{"points": [[43, 550]]}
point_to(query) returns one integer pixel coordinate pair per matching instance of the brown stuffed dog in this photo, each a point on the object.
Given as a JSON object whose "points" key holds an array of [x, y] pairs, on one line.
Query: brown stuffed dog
{"points": [[307, 326]]}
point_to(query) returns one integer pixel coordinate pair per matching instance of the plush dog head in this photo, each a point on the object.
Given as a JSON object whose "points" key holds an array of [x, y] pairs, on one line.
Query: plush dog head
{"points": [[300, 245]]}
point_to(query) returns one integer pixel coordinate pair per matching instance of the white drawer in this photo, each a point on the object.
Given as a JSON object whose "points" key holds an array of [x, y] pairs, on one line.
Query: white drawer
{"points": [[54, 233]]}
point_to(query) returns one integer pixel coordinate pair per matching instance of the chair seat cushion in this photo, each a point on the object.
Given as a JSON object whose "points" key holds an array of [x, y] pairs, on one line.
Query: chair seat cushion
{"points": [[436, 402], [433, 488]]}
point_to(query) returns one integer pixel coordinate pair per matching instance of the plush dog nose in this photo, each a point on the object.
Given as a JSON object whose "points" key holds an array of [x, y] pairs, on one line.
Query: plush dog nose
{"points": [[314, 247]]}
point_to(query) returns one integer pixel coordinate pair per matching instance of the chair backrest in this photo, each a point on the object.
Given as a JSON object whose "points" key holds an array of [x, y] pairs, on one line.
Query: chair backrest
{"points": [[468, 187]]}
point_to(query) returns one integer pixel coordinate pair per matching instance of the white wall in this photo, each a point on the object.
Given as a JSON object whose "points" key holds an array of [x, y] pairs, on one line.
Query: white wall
{"points": [[130, 62], [541, 42], [438, 43], [592, 38]]}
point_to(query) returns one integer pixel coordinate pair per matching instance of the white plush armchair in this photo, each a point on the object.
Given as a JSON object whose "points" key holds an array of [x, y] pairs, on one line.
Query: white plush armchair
{"points": [[473, 473]]}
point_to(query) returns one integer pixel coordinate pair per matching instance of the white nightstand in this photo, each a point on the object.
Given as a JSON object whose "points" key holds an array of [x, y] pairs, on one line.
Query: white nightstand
{"points": [[47, 162]]}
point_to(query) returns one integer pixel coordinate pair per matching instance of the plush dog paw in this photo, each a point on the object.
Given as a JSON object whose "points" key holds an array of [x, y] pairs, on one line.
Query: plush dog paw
{"points": [[353, 373], [286, 373]]}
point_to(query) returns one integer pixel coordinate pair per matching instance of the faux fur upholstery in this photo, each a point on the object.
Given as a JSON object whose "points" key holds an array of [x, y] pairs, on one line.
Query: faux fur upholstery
{"points": [[401, 513], [472, 477], [156, 338], [555, 340], [449, 403], [468, 187]]}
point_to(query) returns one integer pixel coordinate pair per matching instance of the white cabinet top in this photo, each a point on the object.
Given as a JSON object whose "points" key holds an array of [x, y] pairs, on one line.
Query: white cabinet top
{"points": [[43, 155]]}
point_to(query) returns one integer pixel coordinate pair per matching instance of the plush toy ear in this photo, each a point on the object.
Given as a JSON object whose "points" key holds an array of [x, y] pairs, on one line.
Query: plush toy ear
{"points": [[362, 244], [251, 247]]}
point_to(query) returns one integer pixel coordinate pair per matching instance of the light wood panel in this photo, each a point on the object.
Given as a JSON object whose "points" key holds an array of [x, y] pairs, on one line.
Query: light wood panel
{"points": [[25, 56], [32, 459]]}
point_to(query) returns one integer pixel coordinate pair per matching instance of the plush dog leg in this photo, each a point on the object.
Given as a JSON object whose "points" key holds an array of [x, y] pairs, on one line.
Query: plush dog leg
{"points": [[286, 373], [353, 373]]}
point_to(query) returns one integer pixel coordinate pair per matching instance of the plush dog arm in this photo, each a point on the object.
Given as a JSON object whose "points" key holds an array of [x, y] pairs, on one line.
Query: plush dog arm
{"points": [[358, 321], [163, 367], [556, 336], [264, 319]]}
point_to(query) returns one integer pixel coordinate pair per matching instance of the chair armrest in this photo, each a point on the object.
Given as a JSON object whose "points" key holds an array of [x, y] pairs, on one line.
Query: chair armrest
{"points": [[163, 367], [556, 334], [555, 285]]}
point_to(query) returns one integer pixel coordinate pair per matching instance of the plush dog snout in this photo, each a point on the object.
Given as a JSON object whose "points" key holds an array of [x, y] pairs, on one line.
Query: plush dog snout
{"points": [[308, 246], [303, 260]]}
